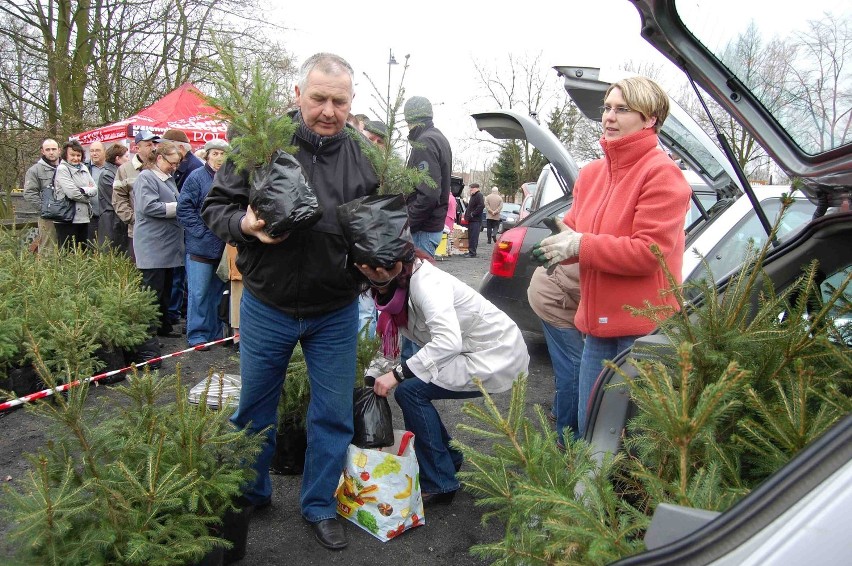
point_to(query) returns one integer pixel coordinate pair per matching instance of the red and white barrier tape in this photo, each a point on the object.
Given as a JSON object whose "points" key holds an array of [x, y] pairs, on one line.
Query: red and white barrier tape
{"points": [[66, 386]]}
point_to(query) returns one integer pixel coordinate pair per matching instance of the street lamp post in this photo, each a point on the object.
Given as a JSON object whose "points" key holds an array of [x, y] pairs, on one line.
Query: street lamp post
{"points": [[391, 62]]}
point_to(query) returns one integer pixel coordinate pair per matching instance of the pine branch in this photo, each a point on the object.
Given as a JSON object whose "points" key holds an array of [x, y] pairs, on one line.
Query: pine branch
{"points": [[261, 127]]}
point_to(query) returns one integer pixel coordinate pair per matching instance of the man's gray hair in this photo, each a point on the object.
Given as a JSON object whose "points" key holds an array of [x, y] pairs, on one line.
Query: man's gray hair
{"points": [[327, 63]]}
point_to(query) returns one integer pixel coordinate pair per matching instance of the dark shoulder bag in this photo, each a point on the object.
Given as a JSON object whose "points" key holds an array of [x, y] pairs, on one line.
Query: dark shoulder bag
{"points": [[57, 209]]}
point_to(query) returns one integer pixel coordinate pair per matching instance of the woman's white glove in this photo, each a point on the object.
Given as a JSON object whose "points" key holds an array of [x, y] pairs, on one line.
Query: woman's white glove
{"points": [[557, 248]]}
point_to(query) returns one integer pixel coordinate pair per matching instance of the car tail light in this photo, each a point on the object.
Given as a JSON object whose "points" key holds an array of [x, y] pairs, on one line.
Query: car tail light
{"points": [[504, 258]]}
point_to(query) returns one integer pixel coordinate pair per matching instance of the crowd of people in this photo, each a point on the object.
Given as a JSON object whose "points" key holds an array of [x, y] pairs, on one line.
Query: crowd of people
{"points": [[174, 213]]}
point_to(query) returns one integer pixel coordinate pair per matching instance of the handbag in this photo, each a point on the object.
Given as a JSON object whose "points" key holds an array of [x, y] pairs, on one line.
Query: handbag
{"points": [[57, 209], [380, 488]]}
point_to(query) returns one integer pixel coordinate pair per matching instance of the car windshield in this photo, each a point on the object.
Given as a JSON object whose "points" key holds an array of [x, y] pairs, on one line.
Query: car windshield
{"points": [[795, 62], [729, 252], [511, 207]]}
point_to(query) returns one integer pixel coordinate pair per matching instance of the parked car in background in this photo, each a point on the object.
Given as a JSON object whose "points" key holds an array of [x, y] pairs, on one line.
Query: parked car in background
{"points": [[526, 207], [509, 215]]}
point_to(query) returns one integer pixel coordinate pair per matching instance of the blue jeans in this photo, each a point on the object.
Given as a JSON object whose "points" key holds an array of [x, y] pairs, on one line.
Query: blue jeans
{"points": [[202, 304], [178, 293], [595, 351], [427, 241], [431, 440], [267, 339], [367, 314], [565, 346]]}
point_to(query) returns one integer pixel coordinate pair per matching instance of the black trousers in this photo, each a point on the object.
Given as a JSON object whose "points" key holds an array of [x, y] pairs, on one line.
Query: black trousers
{"points": [[491, 227], [68, 235], [473, 230], [160, 281]]}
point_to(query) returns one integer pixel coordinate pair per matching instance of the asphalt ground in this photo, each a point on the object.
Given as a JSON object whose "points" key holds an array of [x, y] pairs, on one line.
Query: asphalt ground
{"points": [[278, 535]]}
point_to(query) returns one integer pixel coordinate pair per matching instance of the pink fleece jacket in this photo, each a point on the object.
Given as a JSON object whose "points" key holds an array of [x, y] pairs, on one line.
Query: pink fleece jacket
{"points": [[634, 197]]}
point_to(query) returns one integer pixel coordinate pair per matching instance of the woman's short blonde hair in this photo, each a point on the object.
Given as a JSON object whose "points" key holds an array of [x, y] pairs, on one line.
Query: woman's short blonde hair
{"points": [[645, 96]]}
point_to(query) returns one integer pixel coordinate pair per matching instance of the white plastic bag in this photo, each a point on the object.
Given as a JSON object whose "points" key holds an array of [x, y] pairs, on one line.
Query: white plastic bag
{"points": [[380, 488]]}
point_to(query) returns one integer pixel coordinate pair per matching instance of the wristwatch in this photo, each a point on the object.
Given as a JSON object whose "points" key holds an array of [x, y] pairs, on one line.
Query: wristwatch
{"points": [[397, 373]]}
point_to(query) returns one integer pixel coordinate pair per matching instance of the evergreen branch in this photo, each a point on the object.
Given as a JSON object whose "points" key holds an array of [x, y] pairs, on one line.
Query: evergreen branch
{"points": [[261, 128]]}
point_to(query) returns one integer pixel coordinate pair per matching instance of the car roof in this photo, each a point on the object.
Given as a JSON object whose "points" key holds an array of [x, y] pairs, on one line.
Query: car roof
{"points": [[663, 28]]}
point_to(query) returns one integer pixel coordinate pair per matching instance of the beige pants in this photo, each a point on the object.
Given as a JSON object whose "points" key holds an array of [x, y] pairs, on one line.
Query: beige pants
{"points": [[236, 296], [47, 242]]}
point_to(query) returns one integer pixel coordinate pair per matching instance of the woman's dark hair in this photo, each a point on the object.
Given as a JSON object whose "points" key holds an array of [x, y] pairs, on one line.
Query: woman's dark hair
{"points": [[114, 152], [72, 144], [404, 276]]}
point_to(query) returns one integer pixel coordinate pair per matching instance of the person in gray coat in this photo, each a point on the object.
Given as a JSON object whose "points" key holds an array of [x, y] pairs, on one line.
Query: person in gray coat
{"points": [[39, 178], [111, 229], [157, 235], [74, 182]]}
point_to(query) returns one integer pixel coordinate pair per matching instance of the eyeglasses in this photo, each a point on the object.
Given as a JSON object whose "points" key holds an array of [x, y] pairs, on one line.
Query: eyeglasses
{"points": [[606, 108], [170, 162]]}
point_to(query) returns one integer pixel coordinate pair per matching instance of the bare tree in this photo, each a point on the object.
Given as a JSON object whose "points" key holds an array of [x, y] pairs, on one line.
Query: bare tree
{"points": [[821, 93], [88, 62], [524, 85], [66, 66]]}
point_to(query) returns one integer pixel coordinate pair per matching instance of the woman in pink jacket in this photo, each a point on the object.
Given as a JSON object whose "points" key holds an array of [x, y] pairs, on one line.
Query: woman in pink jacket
{"points": [[632, 198]]}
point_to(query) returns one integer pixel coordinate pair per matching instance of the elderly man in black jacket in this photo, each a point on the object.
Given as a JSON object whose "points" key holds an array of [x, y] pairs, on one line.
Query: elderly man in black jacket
{"points": [[430, 152], [297, 290]]}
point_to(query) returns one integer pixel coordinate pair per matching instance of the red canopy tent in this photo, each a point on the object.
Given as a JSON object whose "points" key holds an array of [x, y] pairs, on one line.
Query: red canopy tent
{"points": [[182, 109]]}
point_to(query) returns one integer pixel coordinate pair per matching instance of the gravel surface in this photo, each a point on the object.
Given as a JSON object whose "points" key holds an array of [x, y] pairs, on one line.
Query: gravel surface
{"points": [[278, 535]]}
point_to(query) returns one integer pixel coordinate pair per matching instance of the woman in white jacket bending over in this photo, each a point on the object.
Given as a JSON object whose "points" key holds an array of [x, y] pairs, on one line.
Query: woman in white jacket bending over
{"points": [[462, 336]]}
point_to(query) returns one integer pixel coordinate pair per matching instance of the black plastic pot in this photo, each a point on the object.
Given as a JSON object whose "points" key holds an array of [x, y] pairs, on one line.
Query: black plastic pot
{"points": [[21, 380], [113, 358], [215, 557], [235, 528], [290, 445]]}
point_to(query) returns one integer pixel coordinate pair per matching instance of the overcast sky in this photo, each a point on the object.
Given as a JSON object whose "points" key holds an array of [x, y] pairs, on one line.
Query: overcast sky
{"points": [[445, 38]]}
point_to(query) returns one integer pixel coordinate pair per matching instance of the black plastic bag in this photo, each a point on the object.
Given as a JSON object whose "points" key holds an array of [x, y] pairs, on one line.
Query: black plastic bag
{"points": [[376, 228], [373, 419], [281, 196]]}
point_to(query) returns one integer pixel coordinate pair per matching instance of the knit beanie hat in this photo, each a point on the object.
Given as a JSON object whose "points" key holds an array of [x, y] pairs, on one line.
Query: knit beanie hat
{"points": [[417, 109], [217, 144]]}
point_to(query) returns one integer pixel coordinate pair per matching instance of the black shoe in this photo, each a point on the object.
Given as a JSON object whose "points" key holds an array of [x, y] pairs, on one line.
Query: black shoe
{"points": [[439, 498], [330, 534], [470, 254], [167, 331], [242, 502]]}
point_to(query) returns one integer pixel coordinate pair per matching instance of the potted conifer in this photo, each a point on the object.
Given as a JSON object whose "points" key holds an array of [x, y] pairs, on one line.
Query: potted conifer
{"points": [[261, 149], [291, 439], [731, 393], [147, 482], [74, 309]]}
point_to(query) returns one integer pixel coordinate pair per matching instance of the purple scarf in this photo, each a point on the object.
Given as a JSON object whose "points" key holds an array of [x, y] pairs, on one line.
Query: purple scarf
{"points": [[392, 316]]}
